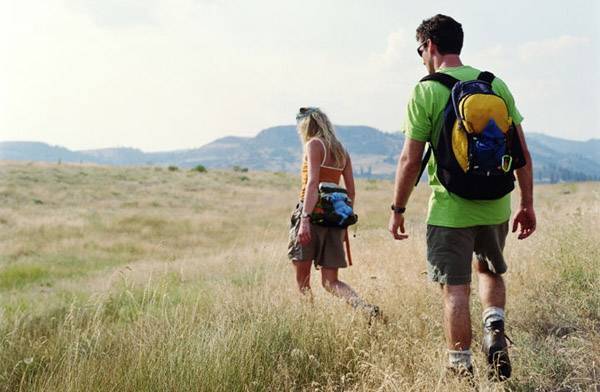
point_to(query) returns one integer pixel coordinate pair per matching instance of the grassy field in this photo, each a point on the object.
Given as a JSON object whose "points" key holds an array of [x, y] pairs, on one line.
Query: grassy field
{"points": [[147, 279]]}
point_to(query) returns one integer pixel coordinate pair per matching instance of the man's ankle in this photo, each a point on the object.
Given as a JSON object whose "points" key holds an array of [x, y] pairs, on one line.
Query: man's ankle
{"points": [[460, 358], [492, 314]]}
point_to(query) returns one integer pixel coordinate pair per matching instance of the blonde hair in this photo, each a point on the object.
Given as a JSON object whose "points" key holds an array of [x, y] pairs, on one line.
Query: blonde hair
{"points": [[314, 123]]}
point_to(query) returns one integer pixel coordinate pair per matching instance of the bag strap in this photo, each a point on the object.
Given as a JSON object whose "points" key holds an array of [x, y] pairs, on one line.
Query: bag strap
{"points": [[347, 241], [486, 76], [449, 82], [442, 78], [424, 164]]}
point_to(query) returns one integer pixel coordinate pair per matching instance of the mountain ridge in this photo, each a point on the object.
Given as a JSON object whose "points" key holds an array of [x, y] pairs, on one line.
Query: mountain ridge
{"points": [[374, 153]]}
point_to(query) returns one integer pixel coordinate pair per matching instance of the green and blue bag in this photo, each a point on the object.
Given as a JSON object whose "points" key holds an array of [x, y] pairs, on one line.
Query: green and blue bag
{"points": [[334, 207]]}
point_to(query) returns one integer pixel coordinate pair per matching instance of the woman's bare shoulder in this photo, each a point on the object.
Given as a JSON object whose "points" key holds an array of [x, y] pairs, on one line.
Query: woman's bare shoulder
{"points": [[315, 145]]}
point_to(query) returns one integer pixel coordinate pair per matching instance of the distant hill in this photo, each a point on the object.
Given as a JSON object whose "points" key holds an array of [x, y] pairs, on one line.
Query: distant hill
{"points": [[564, 160], [374, 153]]}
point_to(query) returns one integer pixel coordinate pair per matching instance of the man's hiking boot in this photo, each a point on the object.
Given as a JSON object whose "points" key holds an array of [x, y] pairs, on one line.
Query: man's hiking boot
{"points": [[495, 348]]}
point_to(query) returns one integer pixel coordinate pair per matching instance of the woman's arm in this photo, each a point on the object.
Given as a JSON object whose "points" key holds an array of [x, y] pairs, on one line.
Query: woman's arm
{"points": [[349, 179], [315, 154], [314, 157]]}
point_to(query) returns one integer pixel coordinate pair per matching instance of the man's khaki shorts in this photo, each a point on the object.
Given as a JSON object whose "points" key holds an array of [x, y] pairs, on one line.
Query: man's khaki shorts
{"points": [[450, 251], [326, 247]]}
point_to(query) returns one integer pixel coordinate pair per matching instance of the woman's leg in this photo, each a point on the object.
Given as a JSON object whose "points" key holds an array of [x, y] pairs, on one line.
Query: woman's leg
{"points": [[331, 283], [303, 275]]}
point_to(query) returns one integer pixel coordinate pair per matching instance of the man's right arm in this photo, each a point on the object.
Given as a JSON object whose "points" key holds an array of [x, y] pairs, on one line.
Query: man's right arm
{"points": [[417, 129], [526, 215], [409, 168]]}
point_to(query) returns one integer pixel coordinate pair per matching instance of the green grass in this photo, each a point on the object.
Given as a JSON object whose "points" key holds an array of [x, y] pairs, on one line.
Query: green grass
{"points": [[16, 276], [145, 279]]}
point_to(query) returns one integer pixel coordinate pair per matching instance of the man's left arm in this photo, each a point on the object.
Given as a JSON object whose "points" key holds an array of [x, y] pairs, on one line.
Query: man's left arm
{"points": [[526, 215], [409, 167]]}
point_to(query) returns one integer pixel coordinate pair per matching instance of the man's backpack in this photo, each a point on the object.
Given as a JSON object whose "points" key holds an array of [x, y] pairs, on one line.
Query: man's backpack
{"points": [[479, 147]]}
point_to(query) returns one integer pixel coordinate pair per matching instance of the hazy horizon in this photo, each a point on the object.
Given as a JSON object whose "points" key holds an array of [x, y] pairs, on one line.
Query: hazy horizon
{"points": [[159, 75], [241, 136]]}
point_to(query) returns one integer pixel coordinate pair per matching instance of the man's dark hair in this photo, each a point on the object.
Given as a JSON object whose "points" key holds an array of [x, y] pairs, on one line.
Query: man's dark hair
{"points": [[443, 31]]}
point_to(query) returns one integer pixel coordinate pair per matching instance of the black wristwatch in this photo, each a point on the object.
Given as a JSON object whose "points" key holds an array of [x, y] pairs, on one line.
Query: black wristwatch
{"points": [[398, 210]]}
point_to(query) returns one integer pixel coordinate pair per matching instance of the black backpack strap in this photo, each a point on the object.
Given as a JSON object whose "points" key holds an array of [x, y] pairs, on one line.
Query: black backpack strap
{"points": [[442, 78], [424, 163], [449, 82], [486, 76]]}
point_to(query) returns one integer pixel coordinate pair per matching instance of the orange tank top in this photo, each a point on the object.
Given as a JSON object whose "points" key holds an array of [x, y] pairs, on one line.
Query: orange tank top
{"points": [[326, 173]]}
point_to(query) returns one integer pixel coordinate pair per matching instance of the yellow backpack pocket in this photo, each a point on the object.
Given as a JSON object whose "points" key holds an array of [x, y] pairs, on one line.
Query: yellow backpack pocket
{"points": [[460, 146], [477, 110]]}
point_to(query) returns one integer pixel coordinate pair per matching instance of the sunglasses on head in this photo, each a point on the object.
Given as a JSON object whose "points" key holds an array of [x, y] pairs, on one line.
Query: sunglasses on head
{"points": [[305, 112]]}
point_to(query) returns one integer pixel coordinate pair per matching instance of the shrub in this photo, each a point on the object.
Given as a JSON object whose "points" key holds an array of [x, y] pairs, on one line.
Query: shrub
{"points": [[173, 168], [199, 169], [237, 168]]}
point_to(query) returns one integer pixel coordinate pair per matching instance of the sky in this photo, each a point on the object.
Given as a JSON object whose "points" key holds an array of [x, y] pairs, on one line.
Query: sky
{"points": [[175, 74]]}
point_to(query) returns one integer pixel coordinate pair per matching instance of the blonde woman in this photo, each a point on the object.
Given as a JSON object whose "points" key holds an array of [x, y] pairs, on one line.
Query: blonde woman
{"points": [[325, 160]]}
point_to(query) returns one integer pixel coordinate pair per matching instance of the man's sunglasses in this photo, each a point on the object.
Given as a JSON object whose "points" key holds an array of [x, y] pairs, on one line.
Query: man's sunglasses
{"points": [[421, 48]]}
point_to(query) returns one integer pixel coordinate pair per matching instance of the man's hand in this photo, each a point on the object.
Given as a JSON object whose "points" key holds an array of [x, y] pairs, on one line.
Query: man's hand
{"points": [[397, 222], [304, 232], [526, 218]]}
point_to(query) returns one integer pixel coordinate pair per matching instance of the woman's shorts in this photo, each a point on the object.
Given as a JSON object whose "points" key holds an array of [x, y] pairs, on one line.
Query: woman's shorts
{"points": [[326, 247]]}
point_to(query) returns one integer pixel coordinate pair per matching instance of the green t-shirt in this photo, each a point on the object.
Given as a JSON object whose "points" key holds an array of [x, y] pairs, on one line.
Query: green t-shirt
{"points": [[423, 122]]}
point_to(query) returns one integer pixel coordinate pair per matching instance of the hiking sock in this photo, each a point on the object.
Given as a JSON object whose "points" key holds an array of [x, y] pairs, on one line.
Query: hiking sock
{"points": [[357, 303], [460, 358], [372, 311], [492, 314]]}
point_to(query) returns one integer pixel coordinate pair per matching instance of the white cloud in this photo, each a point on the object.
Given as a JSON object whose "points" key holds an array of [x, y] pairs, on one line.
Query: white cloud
{"points": [[498, 56], [74, 81], [555, 48], [173, 74], [398, 53], [117, 13], [554, 83]]}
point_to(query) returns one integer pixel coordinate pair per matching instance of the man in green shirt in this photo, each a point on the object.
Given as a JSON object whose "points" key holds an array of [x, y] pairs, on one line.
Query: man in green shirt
{"points": [[458, 227]]}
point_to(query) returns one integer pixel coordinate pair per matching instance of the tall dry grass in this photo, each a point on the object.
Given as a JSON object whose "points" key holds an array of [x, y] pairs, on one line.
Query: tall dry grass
{"points": [[144, 279]]}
